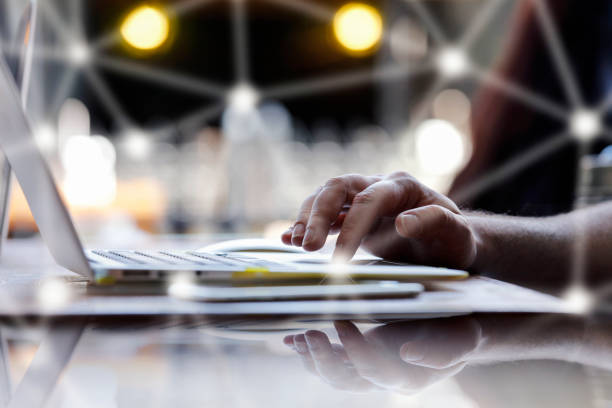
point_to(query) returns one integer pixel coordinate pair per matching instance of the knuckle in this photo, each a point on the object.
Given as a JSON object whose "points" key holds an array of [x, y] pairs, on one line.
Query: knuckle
{"points": [[321, 213], [400, 175], [409, 185], [310, 229], [442, 214], [303, 216], [365, 197], [335, 182]]}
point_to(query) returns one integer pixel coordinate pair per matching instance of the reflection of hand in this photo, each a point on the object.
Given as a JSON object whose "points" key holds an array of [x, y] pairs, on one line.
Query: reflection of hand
{"points": [[404, 357], [394, 217]]}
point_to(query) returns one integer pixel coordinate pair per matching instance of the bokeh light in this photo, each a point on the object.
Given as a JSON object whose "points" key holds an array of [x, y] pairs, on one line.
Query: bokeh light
{"points": [[136, 144], [46, 137], [440, 147], [53, 294], [579, 299], [358, 27], [89, 164], [452, 62], [452, 105], [585, 125], [73, 119], [276, 121], [243, 98], [407, 40], [146, 28], [78, 54]]}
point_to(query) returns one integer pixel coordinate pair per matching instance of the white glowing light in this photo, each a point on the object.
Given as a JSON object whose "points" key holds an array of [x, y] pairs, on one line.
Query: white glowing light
{"points": [[53, 294], [579, 299], [136, 144], [45, 137], [89, 164], [338, 268], [440, 147], [585, 125], [452, 62], [181, 285], [78, 54], [243, 98]]}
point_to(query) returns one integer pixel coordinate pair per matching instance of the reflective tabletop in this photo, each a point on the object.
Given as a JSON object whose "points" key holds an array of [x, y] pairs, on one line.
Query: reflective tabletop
{"points": [[467, 360]]}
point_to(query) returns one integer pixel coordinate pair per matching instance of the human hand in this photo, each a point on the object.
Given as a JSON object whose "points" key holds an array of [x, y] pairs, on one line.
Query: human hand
{"points": [[394, 217], [402, 357]]}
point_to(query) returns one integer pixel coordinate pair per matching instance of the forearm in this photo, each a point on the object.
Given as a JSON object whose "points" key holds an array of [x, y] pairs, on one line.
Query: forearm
{"points": [[567, 338], [551, 249]]}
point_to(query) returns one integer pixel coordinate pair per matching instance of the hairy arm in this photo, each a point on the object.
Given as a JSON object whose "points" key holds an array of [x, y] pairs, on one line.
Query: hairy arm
{"points": [[559, 248]]}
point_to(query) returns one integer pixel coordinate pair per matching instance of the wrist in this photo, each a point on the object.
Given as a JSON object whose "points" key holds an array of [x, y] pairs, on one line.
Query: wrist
{"points": [[485, 248]]}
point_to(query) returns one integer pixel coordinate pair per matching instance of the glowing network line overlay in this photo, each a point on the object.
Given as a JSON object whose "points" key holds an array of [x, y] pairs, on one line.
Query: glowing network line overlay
{"points": [[450, 60]]}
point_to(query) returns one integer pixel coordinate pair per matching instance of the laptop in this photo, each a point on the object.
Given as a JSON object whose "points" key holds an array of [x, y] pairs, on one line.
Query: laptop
{"points": [[114, 266], [20, 37]]}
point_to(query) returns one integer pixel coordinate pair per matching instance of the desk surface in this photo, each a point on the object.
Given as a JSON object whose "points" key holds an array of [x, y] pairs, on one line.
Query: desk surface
{"points": [[543, 360]]}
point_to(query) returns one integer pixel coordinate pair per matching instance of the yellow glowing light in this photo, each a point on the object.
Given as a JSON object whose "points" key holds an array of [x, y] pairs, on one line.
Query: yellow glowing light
{"points": [[146, 28], [358, 27]]}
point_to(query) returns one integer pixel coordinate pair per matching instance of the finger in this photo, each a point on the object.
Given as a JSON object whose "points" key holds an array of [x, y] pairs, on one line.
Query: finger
{"points": [[288, 341], [330, 365], [359, 351], [445, 236], [368, 206], [328, 204], [337, 224], [341, 352], [418, 221], [299, 228], [286, 236], [431, 348], [301, 347]]}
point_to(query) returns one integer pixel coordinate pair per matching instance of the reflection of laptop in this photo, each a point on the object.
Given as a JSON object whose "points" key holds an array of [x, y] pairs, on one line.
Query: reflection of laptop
{"points": [[109, 266]]}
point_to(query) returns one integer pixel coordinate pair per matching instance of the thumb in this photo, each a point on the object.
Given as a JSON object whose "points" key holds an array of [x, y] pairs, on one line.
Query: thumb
{"points": [[429, 219], [443, 343], [445, 237]]}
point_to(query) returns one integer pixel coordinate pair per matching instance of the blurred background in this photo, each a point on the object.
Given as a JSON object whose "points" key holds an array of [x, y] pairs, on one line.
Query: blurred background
{"points": [[206, 117], [215, 116]]}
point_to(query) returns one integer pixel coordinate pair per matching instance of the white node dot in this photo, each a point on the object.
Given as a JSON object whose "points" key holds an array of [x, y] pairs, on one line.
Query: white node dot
{"points": [[452, 62], [579, 299], [46, 137], [78, 54], [585, 125], [243, 98], [137, 144]]}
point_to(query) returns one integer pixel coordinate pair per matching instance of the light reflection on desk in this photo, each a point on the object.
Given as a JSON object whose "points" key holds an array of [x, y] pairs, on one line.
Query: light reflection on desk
{"points": [[485, 361]]}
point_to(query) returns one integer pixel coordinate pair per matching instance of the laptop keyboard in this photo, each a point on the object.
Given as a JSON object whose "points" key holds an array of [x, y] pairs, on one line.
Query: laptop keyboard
{"points": [[179, 258]]}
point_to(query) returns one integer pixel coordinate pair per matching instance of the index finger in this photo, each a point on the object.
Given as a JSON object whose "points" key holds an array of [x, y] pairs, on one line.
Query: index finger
{"points": [[387, 197], [367, 207], [328, 204]]}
